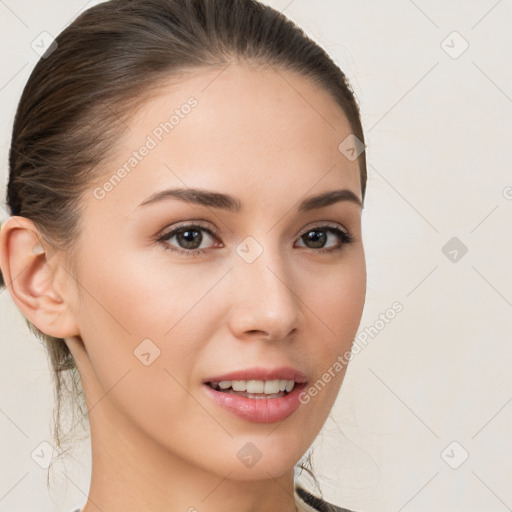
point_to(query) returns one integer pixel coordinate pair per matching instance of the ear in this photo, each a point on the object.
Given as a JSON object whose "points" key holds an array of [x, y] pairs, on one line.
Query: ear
{"points": [[31, 268]]}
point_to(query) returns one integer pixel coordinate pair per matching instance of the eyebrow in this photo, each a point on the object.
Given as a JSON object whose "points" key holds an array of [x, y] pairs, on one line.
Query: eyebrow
{"points": [[233, 204]]}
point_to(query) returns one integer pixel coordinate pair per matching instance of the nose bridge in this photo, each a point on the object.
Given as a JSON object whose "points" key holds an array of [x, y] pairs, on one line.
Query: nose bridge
{"points": [[264, 299]]}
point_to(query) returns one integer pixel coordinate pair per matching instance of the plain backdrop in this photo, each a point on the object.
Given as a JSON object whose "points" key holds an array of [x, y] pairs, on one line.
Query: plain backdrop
{"points": [[424, 418]]}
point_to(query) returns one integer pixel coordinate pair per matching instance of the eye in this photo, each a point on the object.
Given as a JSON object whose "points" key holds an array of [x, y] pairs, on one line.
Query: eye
{"points": [[318, 236], [189, 238]]}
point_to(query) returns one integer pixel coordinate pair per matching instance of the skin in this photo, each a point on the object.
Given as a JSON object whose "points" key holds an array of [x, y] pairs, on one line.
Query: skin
{"points": [[158, 442]]}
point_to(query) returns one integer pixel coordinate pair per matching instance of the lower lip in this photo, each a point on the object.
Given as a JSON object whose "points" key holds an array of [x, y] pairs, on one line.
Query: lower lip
{"points": [[258, 410]]}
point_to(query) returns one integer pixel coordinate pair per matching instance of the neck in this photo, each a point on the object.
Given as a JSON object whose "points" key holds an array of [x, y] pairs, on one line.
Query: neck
{"points": [[131, 472]]}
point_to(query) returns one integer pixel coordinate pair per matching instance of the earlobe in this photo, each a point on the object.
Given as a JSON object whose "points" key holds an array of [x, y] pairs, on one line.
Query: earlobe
{"points": [[31, 279]]}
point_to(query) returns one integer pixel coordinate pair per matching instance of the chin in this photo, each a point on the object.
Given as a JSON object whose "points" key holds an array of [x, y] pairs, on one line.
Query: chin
{"points": [[259, 460]]}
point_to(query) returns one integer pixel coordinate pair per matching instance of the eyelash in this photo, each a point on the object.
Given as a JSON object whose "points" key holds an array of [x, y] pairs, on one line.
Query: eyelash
{"points": [[345, 237]]}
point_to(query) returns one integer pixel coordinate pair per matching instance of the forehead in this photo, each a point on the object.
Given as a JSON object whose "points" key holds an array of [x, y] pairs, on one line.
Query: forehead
{"points": [[242, 127]]}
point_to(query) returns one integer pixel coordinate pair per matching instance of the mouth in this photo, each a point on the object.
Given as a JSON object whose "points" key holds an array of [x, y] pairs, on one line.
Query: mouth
{"points": [[257, 389], [256, 401]]}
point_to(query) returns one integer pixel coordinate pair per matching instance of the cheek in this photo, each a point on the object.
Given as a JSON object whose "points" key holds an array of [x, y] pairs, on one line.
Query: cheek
{"points": [[136, 318], [336, 302], [145, 332], [335, 308], [134, 298]]}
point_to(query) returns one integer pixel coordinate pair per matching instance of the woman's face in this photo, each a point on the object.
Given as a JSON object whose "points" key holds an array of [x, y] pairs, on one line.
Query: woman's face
{"points": [[255, 281]]}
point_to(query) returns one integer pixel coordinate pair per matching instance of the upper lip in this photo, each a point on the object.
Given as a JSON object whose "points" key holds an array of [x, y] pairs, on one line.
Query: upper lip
{"points": [[260, 373]]}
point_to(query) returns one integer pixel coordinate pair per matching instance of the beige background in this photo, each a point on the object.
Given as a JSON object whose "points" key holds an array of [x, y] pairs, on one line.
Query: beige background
{"points": [[434, 384]]}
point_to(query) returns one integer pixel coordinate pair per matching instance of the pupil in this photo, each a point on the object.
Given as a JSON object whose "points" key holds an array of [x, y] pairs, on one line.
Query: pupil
{"points": [[187, 238], [317, 237]]}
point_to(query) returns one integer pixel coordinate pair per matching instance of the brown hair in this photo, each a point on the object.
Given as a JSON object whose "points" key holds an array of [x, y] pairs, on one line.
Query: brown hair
{"points": [[75, 103]]}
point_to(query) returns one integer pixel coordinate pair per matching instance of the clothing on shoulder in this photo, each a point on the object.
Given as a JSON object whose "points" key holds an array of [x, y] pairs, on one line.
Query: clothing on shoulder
{"points": [[314, 503]]}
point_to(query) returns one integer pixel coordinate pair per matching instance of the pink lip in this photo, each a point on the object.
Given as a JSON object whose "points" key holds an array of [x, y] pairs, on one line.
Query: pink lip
{"points": [[263, 410], [260, 373]]}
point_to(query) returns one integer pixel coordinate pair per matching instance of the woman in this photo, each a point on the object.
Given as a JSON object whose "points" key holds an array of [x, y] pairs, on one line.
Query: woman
{"points": [[186, 185]]}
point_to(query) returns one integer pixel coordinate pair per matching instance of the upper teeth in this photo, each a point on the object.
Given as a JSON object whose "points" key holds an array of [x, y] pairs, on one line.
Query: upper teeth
{"points": [[256, 386]]}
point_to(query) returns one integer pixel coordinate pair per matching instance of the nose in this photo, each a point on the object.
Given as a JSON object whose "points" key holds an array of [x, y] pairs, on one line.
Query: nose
{"points": [[264, 303]]}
